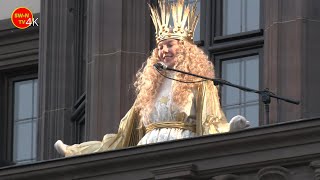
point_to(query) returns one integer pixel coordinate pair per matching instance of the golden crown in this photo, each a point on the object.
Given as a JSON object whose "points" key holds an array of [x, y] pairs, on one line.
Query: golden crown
{"points": [[183, 16]]}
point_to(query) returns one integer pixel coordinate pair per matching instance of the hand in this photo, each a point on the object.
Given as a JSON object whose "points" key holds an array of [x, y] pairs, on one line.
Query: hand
{"points": [[60, 147], [238, 122]]}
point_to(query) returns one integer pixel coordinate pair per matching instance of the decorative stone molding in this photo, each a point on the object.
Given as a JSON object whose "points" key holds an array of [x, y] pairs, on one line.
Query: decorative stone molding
{"points": [[294, 144], [183, 171], [226, 177], [316, 166], [274, 173]]}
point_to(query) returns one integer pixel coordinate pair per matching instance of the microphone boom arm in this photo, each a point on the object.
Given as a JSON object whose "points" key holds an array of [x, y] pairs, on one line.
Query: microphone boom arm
{"points": [[265, 94]]}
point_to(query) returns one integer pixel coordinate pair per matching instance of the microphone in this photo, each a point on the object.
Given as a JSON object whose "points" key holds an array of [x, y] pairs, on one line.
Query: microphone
{"points": [[160, 66]]}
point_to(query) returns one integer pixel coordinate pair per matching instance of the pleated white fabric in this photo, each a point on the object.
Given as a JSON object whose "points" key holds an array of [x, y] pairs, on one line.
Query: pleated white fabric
{"points": [[165, 111]]}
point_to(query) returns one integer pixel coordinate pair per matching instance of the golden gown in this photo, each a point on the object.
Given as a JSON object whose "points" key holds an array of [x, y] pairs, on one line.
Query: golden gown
{"points": [[203, 110]]}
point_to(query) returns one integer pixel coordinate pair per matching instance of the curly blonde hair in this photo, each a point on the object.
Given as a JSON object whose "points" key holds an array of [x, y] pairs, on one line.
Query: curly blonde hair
{"points": [[190, 58]]}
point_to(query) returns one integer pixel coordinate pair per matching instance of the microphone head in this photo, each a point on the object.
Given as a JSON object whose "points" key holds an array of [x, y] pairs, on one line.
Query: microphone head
{"points": [[156, 66], [160, 66]]}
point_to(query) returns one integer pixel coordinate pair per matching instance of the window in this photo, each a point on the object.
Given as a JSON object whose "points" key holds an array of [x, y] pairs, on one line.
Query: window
{"points": [[245, 72], [18, 86], [236, 50], [78, 118], [240, 16], [78, 115], [19, 115], [25, 95]]}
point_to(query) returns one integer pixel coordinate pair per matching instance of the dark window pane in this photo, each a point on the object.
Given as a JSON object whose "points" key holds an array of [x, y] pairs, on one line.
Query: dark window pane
{"points": [[252, 111], [82, 131], [23, 141], [251, 64], [35, 98], [231, 112], [245, 72], [240, 16], [34, 139], [231, 72], [23, 99], [25, 121], [252, 9], [231, 16]]}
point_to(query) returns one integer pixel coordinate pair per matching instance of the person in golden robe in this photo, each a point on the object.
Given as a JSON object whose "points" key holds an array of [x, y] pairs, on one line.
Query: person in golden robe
{"points": [[164, 109]]}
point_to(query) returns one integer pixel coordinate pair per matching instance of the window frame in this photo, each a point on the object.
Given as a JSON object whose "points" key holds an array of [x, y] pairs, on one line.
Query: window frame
{"points": [[8, 78], [223, 47], [242, 41], [217, 25], [78, 116], [12, 81], [218, 59], [221, 21]]}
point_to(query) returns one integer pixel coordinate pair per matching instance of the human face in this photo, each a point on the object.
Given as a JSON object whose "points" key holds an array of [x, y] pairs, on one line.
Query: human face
{"points": [[167, 51]]}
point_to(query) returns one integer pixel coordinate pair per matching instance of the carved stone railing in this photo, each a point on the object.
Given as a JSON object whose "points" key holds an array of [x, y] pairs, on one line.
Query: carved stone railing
{"points": [[287, 151]]}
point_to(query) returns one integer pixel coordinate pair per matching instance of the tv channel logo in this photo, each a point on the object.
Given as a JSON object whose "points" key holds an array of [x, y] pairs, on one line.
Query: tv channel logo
{"points": [[22, 18]]}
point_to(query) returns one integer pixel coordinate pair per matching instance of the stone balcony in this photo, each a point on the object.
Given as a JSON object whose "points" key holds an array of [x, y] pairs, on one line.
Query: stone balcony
{"points": [[275, 152]]}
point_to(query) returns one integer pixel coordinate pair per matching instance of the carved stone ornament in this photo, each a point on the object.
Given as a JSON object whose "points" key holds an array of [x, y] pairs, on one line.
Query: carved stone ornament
{"points": [[182, 171], [274, 173], [316, 166]]}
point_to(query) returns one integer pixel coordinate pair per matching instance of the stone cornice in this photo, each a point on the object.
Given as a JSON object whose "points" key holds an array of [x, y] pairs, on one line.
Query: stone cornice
{"points": [[295, 142]]}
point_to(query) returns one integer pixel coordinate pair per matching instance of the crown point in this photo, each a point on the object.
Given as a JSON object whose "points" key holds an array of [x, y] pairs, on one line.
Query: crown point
{"points": [[180, 29]]}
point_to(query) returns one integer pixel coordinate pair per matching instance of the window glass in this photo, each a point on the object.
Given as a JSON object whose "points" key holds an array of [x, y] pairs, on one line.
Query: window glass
{"points": [[245, 72], [23, 99], [25, 121], [240, 16]]}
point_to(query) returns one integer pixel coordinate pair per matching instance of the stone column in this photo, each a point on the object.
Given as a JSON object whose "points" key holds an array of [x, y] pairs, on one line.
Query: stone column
{"points": [[291, 53], [118, 42], [56, 75]]}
